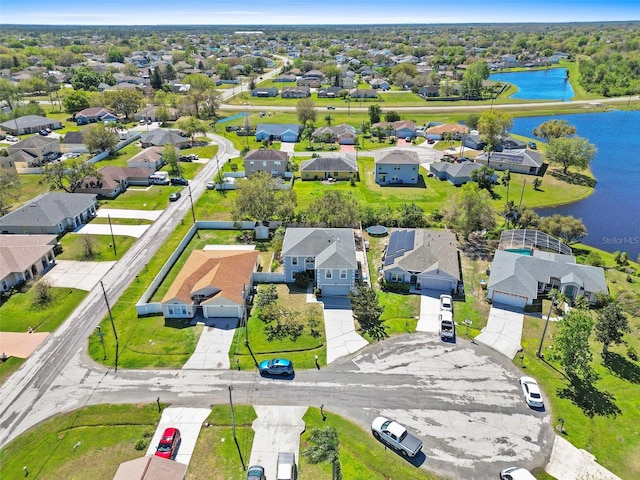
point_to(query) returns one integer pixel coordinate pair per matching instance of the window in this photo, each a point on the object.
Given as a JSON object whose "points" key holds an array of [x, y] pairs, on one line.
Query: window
{"points": [[309, 260], [328, 274], [396, 277], [170, 309], [251, 163], [5, 286], [184, 309], [294, 261], [396, 167], [343, 274]]}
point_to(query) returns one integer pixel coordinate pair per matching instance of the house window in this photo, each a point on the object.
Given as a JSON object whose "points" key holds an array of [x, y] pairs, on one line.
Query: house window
{"points": [[396, 167], [170, 309], [5, 286], [60, 227], [343, 274], [277, 164], [251, 163], [184, 309], [309, 260], [328, 274], [294, 261], [396, 277], [264, 163]]}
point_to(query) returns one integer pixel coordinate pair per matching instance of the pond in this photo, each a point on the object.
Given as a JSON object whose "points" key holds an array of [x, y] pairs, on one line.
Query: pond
{"points": [[612, 213], [550, 84]]}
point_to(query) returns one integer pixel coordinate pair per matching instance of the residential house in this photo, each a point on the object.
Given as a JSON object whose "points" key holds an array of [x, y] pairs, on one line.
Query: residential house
{"points": [[73, 142], [429, 91], [457, 173], [53, 213], [151, 467], [295, 92], [518, 280], [327, 255], [35, 151], [473, 141], [10, 161], [379, 84], [265, 92], [445, 130], [93, 115], [397, 167], [309, 82], [348, 83], [510, 143], [150, 158], [29, 124], [425, 258], [519, 161], [400, 129], [285, 78], [337, 167], [161, 137], [266, 160], [329, 92], [115, 180], [157, 114], [278, 132], [212, 283], [362, 93], [342, 134], [25, 257]]}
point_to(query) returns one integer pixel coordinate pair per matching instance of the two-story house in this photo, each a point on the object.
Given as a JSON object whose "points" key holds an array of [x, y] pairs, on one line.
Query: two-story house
{"points": [[398, 167]]}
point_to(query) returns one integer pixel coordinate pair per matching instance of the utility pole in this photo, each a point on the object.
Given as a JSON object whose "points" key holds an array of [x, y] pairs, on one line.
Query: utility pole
{"points": [[233, 428], [113, 240], [115, 334], [193, 213]]}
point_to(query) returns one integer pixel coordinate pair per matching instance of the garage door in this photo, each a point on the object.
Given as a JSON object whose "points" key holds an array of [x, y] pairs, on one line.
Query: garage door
{"points": [[212, 311], [436, 284], [508, 299], [341, 290]]}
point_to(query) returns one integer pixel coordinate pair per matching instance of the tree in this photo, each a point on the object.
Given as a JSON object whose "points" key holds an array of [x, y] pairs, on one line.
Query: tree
{"points": [[115, 55], [334, 209], [571, 347], [470, 210], [68, 177], [130, 69], [202, 96], [88, 245], [98, 138], [367, 311], [10, 188], [391, 116], [257, 198], [125, 102], [87, 79], [554, 129], [494, 125], [484, 177], [569, 229], [621, 258], [306, 111], [169, 72], [171, 158], [537, 182], [374, 113], [192, 126], [328, 119], [42, 294], [325, 447], [156, 79], [472, 79], [611, 325], [571, 152], [76, 101]]}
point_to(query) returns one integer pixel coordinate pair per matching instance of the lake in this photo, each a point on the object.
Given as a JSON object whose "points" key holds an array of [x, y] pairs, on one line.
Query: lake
{"points": [[612, 213], [551, 84]]}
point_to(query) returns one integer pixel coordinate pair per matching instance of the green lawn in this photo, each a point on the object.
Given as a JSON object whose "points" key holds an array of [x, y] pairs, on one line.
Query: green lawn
{"points": [[8, 367], [143, 198], [103, 249]]}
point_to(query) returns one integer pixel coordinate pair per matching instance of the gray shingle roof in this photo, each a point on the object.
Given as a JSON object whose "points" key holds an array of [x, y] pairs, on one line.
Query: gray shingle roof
{"points": [[277, 128], [399, 157], [267, 154], [463, 169], [160, 136], [330, 164], [519, 157], [331, 247], [49, 209], [28, 121]]}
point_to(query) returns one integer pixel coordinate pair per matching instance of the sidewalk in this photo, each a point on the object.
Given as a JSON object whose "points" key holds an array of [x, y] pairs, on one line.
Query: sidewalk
{"points": [[570, 463]]}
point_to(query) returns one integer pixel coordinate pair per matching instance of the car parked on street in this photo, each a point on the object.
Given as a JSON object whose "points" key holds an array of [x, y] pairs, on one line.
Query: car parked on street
{"points": [[532, 393], [516, 473], [169, 442], [256, 472], [174, 197], [179, 181], [396, 436], [276, 366], [331, 107]]}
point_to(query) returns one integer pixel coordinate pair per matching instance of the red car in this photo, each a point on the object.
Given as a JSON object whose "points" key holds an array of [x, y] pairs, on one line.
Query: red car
{"points": [[169, 442]]}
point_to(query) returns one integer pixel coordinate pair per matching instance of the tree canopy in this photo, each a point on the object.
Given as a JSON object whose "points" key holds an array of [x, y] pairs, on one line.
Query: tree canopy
{"points": [[68, 177], [554, 129], [334, 209], [571, 152], [568, 228], [470, 210], [306, 111], [367, 311], [98, 138], [494, 125], [257, 198], [611, 325], [571, 347]]}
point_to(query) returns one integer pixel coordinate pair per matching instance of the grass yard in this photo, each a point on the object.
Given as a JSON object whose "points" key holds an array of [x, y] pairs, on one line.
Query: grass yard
{"points": [[86, 444], [120, 158], [73, 248], [30, 187], [9, 367], [155, 197]]}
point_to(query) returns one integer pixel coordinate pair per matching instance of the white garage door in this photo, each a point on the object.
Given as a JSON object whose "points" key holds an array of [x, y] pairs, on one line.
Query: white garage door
{"points": [[436, 284], [508, 299], [212, 311], [341, 290]]}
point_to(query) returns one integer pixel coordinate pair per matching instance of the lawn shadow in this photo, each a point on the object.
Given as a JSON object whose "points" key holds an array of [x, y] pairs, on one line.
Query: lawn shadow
{"points": [[621, 367], [574, 178], [590, 400]]}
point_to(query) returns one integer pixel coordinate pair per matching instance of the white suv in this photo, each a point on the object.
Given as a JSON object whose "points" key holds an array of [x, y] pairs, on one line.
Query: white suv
{"points": [[446, 303]]}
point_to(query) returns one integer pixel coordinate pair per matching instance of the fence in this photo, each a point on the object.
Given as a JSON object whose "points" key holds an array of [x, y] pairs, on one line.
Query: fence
{"points": [[266, 277]]}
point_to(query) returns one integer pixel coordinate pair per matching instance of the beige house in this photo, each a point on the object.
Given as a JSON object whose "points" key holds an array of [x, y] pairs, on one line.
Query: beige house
{"points": [[148, 158], [34, 151], [25, 257], [266, 160], [115, 180]]}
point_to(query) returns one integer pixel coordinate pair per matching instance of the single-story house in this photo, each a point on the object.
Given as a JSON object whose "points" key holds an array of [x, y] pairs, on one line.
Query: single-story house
{"points": [[94, 114], [398, 167], [161, 137], [342, 134], [309, 82], [10, 161], [517, 280], [265, 92], [295, 92], [329, 92], [39, 149], [25, 257], [400, 129], [212, 283], [519, 161], [151, 467], [115, 180], [429, 91], [338, 167], [266, 160], [53, 213], [156, 113], [277, 131], [328, 255], [285, 78], [149, 158], [29, 124], [456, 173], [425, 258], [439, 132], [474, 141], [363, 93], [73, 142], [379, 84], [510, 143]]}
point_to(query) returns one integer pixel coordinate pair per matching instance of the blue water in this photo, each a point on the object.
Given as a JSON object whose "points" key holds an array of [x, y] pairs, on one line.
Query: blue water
{"points": [[551, 84], [612, 213]]}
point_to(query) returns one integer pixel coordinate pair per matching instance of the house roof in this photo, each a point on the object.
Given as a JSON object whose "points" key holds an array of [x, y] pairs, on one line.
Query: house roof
{"points": [[423, 250], [331, 247], [330, 164], [447, 128], [516, 157], [519, 274], [161, 136], [37, 142], [277, 128], [151, 468], [267, 154], [112, 176], [399, 157], [48, 209], [336, 130], [21, 156], [227, 271], [455, 170], [149, 155], [399, 125], [93, 112], [73, 138], [28, 121], [19, 252]]}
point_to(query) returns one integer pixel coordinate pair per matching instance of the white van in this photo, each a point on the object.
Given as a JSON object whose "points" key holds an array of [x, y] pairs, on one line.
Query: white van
{"points": [[159, 178], [286, 466]]}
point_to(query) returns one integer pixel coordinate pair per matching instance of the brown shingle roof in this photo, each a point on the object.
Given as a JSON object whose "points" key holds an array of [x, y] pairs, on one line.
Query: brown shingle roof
{"points": [[19, 252]]}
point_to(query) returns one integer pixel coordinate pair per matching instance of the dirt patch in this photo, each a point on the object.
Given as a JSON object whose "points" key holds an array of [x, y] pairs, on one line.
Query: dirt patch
{"points": [[20, 345]]}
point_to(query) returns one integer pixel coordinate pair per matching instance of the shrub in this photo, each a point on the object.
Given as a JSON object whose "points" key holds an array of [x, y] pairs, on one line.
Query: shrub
{"points": [[595, 259], [302, 279], [141, 444], [632, 354]]}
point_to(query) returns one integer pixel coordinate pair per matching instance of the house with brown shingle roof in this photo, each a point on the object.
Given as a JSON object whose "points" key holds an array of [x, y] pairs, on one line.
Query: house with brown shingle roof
{"points": [[148, 158], [151, 468], [25, 257], [438, 132], [212, 283], [114, 180]]}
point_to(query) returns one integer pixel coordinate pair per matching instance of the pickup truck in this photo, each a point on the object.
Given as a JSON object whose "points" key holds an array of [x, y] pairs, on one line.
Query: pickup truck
{"points": [[447, 327], [396, 436]]}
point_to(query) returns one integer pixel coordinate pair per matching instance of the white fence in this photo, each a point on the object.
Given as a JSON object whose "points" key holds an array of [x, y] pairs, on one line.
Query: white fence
{"points": [[266, 277]]}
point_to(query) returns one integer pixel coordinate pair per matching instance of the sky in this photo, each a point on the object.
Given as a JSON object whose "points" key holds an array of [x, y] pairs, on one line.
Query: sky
{"points": [[306, 12]]}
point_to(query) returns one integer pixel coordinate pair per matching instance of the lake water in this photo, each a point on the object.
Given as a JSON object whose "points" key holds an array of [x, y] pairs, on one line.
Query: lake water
{"points": [[612, 213], [551, 84]]}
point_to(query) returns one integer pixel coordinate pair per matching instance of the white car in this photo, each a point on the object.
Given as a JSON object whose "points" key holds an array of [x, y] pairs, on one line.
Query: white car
{"points": [[516, 473], [11, 138], [211, 185], [532, 393], [446, 303]]}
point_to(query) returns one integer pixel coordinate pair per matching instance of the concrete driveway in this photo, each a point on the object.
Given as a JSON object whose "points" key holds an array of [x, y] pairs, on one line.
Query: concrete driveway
{"points": [[75, 274], [504, 330], [189, 421], [342, 339], [429, 310], [212, 351], [278, 429], [135, 231]]}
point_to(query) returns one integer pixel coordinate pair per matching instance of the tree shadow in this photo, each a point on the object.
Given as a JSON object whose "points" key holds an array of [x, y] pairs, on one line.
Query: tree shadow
{"points": [[621, 367], [574, 178], [590, 400]]}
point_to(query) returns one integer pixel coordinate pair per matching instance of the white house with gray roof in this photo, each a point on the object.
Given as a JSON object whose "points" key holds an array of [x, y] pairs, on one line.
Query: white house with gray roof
{"points": [[398, 167], [517, 280], [425, 258], [328, 255], [519, 161], [53, 213]]}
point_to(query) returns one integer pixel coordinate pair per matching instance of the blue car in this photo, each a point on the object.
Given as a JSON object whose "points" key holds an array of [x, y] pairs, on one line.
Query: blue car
{"points": [[533, 146], [276, 366]]}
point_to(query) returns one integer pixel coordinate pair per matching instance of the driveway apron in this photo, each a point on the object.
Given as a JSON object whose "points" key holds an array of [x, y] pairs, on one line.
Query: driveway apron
{"points": [[429, 310], [212, 351], [503, 331], [342, 339]]}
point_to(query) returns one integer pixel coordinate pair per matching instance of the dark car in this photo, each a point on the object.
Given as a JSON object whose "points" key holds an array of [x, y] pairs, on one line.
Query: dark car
{"points": [[533, 145], [43, 132], [256, 472], [179, 181], [331, 107], [276, 366], [174, 197], [186, 158], [168, 445]]}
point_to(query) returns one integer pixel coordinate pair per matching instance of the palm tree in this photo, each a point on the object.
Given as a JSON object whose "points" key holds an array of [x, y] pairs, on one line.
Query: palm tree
{"points": [[325, 448], [328, 119]]}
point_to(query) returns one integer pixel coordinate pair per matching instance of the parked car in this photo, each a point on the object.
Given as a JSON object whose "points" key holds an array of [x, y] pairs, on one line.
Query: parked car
{"points": [[446, 303], [447, 325], [516, 473], [256, 472], [431, 141], [174, 197], [169, 442], [286, 466], [532, 393], [11, 138], [143, 122], [43, 132], [533, 145], [186, 158], [396, 436], [276, 366], [179, 181], [211, 185]]}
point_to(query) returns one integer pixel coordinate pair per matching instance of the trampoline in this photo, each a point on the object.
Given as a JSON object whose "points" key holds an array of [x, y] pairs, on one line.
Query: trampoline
{"points": [[377, 230]]}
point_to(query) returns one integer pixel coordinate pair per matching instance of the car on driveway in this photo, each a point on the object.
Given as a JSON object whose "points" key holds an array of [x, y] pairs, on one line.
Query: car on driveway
{"points": [[532, 393], [174, 197], [11, 138], [516, 473], [446, 303], [179, 181], [276, 366], [43, 132], [256, 472], [168, 445], [396, 436]]}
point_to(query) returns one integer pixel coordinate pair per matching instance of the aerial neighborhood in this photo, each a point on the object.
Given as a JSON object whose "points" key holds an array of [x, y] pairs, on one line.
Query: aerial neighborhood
{"points": [[301, 246]]}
